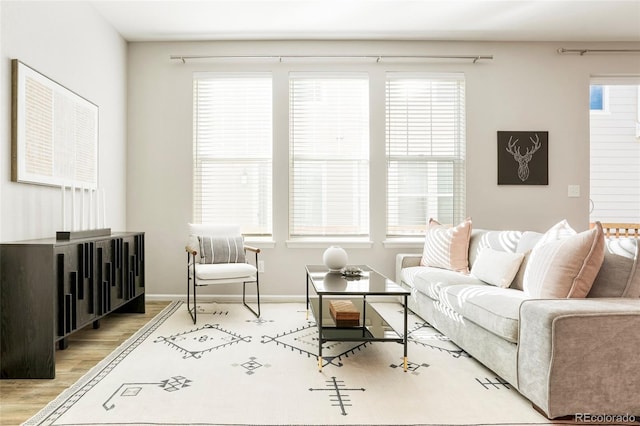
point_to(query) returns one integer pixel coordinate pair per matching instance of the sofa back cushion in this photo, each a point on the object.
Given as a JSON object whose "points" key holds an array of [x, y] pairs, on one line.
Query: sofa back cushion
{"points": [[509, 241], [619, 275], [527, 242], [497, 240]]}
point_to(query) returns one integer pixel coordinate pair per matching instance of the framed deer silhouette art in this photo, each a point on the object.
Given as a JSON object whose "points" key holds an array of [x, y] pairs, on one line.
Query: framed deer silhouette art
{"points": [[523, 158]]}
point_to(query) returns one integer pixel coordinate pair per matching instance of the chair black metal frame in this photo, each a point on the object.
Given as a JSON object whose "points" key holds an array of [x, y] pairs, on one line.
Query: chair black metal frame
{"points": [[192, 281]]}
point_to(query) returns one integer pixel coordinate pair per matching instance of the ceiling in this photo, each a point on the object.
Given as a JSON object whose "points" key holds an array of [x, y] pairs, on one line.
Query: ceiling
{"points": [[490, 20]]}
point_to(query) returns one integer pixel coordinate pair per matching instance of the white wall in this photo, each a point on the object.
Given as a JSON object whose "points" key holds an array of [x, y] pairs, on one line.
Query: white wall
{"points": [[72, 44], [528, 86]]}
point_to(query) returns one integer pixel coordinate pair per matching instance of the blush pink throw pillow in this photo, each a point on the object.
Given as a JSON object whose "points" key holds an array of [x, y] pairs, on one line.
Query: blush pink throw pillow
{"points": [[447, 247], [565, 267]]}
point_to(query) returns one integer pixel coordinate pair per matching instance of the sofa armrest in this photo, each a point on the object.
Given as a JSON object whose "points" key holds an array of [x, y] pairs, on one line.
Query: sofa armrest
{"points": [[406, 260], [580, 355]]}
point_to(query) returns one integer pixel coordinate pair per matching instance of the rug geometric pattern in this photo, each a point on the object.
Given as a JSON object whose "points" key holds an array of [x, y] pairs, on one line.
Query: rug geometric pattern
{"points": [[338, 395], [233, 369], [133, 389], [304, 340], [194, 343]]}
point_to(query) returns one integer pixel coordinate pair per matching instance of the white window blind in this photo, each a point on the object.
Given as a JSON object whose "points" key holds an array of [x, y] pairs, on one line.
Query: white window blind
{"points": [[615, 152], [233, 150], [329, 154], [425, 138]]}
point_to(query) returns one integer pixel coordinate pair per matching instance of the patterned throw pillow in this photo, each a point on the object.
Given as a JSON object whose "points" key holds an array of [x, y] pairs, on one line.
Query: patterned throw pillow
{"points": [[447, 247], [221, 249], [565, 267]]}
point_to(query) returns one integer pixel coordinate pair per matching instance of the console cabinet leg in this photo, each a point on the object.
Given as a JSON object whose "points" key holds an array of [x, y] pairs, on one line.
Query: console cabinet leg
{"points": [[63, 344]]}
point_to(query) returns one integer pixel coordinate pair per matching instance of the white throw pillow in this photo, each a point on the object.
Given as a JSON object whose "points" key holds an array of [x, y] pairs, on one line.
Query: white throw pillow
{"points": [[497, 267], [558, 231]]}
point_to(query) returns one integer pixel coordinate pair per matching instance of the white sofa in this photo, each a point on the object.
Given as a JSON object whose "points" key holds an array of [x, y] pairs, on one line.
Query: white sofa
{"points": [[567, 356]]}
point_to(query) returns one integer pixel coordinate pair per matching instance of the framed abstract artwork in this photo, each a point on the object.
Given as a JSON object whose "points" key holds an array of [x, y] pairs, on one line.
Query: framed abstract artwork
{"points": [[523, 158], [54, 132]]}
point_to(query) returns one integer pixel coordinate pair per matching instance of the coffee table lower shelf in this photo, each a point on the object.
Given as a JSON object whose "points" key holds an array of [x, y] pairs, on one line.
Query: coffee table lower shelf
{"points": [[373, 327]]}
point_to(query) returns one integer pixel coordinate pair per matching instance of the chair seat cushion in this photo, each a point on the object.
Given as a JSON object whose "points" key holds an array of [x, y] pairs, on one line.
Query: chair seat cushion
{"points": [[224, 271]]}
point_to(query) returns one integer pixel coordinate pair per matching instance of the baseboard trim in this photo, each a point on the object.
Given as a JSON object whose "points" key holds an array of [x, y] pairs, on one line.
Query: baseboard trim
{"points": [[227, 298], [237, 298]]}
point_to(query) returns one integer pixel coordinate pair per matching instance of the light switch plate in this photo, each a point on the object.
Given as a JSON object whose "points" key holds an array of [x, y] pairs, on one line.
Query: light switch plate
{"points": [[573, 191]]}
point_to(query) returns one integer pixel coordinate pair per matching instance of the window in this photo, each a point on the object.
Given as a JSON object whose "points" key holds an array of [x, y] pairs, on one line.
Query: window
{"points": [[232, 150], [597, 97], [329, 154], [615, 152], [425, 139]]}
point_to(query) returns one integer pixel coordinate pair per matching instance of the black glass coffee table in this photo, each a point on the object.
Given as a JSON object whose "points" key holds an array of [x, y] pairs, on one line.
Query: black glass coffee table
{"points": [[361, 290]]}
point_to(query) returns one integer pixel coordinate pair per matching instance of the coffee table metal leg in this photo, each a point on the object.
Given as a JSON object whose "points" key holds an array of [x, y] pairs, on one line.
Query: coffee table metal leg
{"points": [[406, 336], [364, 314], [319, 321]]}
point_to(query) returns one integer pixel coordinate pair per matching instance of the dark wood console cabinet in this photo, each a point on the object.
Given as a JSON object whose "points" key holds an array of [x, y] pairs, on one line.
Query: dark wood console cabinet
{"points": [[49, 289]]}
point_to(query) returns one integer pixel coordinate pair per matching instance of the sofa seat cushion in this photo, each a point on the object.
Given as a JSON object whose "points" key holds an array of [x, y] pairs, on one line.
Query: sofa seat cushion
{"points": [[492, 308], [224, 271], [431, 281]]}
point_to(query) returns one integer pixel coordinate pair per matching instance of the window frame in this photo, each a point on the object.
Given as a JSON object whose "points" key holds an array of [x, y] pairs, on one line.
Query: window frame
{"points": [[261, 229], [457, 160], [296, 238]]}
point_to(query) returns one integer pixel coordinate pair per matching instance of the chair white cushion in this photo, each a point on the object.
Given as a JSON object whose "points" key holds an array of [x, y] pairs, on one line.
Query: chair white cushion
{"points": [[224, 271]]}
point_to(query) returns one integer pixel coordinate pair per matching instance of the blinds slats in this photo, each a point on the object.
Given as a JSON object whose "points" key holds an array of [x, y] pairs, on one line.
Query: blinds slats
{"points": [[615, 152], [425, 138], [329, 154], [232, 150]]}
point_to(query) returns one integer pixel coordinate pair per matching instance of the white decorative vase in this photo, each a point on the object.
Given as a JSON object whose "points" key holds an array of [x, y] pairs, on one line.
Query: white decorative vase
{"points": [[335, 258]]}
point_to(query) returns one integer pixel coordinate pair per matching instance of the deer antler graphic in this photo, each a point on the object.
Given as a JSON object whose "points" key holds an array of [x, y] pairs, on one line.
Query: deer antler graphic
{"points": [[523, 160]]}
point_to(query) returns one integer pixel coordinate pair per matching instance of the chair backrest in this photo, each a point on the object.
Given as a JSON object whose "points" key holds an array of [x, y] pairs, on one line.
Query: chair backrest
{"points": [[209, 229]]}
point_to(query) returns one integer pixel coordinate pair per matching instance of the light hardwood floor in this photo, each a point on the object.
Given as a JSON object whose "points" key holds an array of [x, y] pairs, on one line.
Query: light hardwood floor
{"points": [[21, 399]]}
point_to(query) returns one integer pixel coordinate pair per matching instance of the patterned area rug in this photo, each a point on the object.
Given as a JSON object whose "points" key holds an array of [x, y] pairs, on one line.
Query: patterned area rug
{"points": [[233, 369]]}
